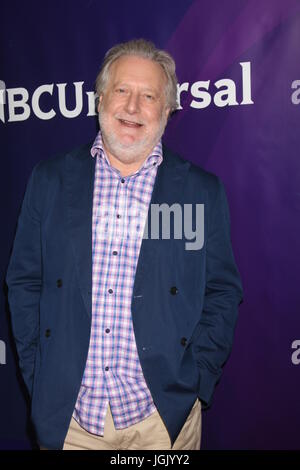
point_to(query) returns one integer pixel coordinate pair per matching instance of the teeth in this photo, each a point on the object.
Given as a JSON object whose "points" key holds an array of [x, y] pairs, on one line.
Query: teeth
{"points": [[130, 122]]}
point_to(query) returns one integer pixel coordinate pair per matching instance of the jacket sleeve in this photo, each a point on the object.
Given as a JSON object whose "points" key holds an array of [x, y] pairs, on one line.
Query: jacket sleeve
{"points": [[223, 294], [24, 280]]}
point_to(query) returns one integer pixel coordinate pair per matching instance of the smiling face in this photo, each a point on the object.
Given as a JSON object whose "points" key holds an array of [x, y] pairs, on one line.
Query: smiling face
{"points": [[132, 109]]}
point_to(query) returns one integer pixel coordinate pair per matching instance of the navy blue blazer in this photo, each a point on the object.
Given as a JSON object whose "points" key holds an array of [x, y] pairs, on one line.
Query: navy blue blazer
{"points": [[184, 302]]}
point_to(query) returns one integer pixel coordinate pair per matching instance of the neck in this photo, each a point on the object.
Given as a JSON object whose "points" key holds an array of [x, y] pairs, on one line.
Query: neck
{"points": [[126, 168]]}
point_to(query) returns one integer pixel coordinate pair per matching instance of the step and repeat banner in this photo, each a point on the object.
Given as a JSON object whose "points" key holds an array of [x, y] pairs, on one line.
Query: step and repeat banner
{"points": [[238, 65]]}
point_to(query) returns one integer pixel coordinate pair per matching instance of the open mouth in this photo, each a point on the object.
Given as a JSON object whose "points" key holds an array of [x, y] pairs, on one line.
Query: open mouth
{"points": [[133, 124]]}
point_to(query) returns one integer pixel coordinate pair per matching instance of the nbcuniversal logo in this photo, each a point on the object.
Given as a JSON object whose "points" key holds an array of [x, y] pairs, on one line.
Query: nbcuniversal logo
{"points": [[17, 105], [2, 352]]}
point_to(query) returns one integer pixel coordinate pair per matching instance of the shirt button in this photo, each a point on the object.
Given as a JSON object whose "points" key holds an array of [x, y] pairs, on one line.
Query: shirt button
{"points": [[122, 180], [110, 291], [173, 290], [118, 216], [107, 330], [183, 341], [106, 368], [115, 252]]}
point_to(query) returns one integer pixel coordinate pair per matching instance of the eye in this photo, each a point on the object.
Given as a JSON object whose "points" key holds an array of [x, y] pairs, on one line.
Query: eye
{"points": [[149, 97], [120, 91]]}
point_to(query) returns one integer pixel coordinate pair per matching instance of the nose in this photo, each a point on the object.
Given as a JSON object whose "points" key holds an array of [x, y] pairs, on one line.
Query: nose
{"points": [[132, 104]]}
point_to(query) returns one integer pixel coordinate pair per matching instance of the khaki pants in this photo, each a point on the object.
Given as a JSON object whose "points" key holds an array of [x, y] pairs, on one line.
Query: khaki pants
{"points": [[150, 433]]}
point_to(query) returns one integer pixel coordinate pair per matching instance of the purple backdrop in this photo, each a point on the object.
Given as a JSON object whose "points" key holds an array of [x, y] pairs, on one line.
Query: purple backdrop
{"points": [[239, 73]]}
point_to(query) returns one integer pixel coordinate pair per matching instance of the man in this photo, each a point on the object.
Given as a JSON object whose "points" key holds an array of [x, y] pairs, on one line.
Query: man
{"points": [[122, 337]]}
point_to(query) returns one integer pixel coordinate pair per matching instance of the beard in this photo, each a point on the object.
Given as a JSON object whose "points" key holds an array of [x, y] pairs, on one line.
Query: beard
{"points": [[131, 152]]}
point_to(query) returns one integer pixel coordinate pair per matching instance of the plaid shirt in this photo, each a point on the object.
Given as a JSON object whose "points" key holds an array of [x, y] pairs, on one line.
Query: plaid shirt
{"points": [[113, 373]]}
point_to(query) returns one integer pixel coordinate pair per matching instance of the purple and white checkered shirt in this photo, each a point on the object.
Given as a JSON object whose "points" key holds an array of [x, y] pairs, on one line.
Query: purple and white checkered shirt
{"points": [[113, 373]]}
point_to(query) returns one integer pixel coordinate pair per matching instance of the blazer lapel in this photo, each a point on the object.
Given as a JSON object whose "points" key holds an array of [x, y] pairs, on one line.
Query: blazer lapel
{"points": [[80, 171], [168, 188]]}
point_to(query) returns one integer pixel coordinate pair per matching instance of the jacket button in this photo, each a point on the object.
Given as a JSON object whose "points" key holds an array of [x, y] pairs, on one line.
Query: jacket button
{"points": [[183, 341], [48, 333], [59, 282], [173, 290]]}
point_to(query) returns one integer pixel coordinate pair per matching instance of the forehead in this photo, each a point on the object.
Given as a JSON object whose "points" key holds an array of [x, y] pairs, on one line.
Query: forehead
{"points": [[134, 69]]}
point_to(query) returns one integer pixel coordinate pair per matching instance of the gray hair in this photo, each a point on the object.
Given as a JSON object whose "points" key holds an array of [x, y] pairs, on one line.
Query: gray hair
{"points": [[147, 50]]}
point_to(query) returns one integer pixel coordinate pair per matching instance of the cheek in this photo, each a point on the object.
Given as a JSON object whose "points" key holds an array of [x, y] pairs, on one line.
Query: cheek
{"points": [[107, 105], [154, 117]]}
